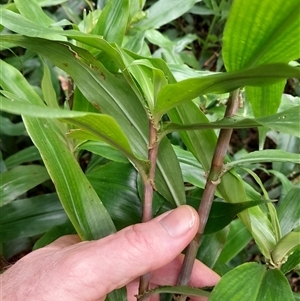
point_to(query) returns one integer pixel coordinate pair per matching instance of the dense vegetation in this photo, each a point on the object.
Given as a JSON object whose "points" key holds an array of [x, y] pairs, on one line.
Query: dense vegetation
{"points": [[127, 103]]}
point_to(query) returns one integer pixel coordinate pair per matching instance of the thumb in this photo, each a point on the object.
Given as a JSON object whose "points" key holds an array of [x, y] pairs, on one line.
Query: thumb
{"points": [[119, 258]]}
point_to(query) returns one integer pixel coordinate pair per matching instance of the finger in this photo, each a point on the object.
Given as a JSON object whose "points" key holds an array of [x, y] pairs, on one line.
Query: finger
{"points": [[116, 260]]}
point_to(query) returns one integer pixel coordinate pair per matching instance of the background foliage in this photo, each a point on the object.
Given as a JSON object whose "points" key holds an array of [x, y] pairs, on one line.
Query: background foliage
{"points": [[87, 78]]}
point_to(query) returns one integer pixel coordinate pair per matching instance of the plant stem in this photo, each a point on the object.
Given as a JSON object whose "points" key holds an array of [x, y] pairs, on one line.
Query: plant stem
{"points": [[212, 182], [149, 186]]}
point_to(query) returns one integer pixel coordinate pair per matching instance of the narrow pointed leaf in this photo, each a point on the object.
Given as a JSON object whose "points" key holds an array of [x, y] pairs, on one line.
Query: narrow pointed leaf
{"points": [[76, 194], [101, 126], [32, 11], [285, 121], [112, 22], [19, 180], [269, 155], [180, 290], [112, 95], [28, 154], [31, 217], [172, 95], [163, 11], [237, 239], [19, 24], [288, 211]]}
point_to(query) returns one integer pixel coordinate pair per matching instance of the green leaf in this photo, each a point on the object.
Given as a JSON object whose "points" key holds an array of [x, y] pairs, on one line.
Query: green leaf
{"points": [[223, 213], [292, 262], [112, 94], [172, 95], [192, 170], [116, 185], [19, 180], [202, 145], [80, 201], [265, 100], [31, 217], [180, 290], [285, 121], [270, 155], [112, 22], [25, 155], [288, 211], [54, 233], [211, 247], [285, 246], [19, 24], [100, 126], [163, 12], [32, 11], [252, 282], [237, 239], [11, 129], [260, 32], [104, 150]]}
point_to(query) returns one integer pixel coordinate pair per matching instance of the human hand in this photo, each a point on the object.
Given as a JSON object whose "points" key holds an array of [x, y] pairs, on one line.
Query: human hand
{"points": [[71, 270]]}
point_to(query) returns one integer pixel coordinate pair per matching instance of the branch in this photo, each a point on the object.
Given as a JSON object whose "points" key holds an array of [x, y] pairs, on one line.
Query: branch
{"points": [[213, 179], [149, 186]]}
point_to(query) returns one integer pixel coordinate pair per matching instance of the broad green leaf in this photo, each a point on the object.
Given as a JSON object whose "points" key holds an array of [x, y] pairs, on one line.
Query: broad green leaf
{"points": [[237, 239], [31, 217], [116, 185], [265, 100], [261, 32], [221, 213], [112, 95], [101, 126], [11, 129], [252, 282], [25, 155], [33, 12], [288, 211], [172, 95], [270, 155], [80, 201], [104, 150], [19, 180], [285, 246], [16, 246], [163, 12], [112, 22], [211, 247]]}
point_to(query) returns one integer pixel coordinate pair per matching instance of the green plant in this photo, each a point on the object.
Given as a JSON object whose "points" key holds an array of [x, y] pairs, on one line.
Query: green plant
{"points": [[121, 105]]}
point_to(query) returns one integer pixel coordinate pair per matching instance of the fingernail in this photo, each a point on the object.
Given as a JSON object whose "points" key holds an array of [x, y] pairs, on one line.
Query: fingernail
{"points": [[179, 221]]}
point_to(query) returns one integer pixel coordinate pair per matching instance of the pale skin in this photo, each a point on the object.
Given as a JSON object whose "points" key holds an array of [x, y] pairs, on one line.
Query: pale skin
{"points": [[72, 270]]}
